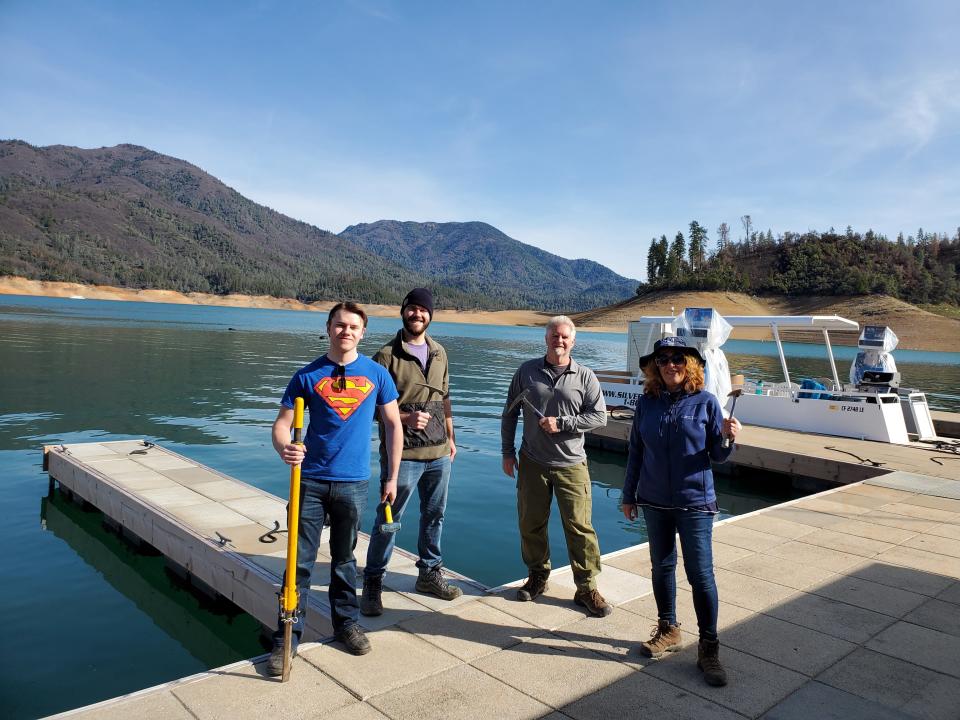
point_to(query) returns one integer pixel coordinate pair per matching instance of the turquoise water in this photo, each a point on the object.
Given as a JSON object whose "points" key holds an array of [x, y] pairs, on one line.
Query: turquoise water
{"points": [[205, 382]]}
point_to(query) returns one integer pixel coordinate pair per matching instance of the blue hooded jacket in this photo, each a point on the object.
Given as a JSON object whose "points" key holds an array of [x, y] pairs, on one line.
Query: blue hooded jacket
{"points": [[671, 446]]}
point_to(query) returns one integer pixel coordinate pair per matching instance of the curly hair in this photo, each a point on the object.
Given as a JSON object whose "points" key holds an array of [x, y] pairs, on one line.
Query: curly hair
{"points": [[653, 383]]}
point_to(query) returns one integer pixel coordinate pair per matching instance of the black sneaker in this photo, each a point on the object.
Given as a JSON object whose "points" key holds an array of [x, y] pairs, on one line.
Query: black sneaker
{"points": [[355, 640], [371, 604], [431, 581], [275, 663], [533, 588]]}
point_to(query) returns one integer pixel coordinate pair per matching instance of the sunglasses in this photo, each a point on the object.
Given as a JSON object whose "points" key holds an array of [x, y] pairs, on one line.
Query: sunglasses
{"points": [[340, 378], [678, 359]]}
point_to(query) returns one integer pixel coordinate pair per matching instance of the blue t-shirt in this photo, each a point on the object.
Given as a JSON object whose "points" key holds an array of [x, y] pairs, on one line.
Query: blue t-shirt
{"points": [[341, 415]]}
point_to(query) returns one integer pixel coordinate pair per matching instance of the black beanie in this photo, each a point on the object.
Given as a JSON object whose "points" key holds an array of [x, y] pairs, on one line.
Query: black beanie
{"points": [[419, 296]]}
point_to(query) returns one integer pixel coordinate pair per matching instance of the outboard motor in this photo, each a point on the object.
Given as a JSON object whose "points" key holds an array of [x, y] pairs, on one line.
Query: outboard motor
{"points": [[874, 364], [706, 330]]}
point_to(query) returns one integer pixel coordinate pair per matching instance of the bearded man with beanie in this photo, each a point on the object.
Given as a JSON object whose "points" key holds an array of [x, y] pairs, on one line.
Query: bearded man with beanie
{"points": [[418, 366]]}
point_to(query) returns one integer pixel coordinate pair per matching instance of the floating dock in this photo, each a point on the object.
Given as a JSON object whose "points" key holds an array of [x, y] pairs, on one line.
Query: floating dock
{"points": [[230, 537], [842, 604], [830, 459]]}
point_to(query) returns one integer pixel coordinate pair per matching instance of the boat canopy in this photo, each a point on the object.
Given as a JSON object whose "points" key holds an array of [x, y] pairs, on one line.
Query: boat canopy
{"points": [[815, 322], [823, 323]]}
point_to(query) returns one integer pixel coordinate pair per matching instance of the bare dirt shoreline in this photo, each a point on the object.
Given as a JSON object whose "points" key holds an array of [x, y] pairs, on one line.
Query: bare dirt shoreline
{"points": [[11, 285], [916, 328]]}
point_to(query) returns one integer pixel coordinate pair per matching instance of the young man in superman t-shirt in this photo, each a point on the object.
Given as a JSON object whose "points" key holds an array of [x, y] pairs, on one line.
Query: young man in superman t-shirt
{"points": [[341, 391]]}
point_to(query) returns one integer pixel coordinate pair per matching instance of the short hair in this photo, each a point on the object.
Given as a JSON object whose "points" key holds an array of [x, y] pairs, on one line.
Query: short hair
{"points": [[350, 307], [562, 320], [653, 382]]}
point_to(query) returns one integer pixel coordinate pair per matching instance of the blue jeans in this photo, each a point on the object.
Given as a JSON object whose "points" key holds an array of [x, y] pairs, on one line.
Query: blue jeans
{"points": [[344, 502], [696, 536], [431, 478]]}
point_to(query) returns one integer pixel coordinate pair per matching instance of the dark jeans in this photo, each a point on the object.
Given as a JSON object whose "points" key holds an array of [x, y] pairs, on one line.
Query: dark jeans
{"points": [[696, 536], [344, 502], [431, 478]]}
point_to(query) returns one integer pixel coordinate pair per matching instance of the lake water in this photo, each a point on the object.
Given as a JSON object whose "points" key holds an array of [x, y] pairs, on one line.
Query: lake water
{"points": [[88, 618]]}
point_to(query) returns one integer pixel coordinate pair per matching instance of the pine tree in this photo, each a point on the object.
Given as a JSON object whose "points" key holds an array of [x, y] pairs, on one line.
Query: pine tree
{"points": [[677, 259], [652, 265], [698, 243]]}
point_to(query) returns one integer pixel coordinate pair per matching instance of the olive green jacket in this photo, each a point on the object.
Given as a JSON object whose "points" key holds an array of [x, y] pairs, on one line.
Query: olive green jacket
{"points": [[432, 442]]}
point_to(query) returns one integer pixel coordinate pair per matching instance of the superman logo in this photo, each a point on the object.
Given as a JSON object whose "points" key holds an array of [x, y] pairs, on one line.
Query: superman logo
{"points": [[344, 394]]}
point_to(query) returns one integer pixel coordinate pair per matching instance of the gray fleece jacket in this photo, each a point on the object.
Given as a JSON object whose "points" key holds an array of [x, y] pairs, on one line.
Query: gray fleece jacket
{"points": [[574, 399]]}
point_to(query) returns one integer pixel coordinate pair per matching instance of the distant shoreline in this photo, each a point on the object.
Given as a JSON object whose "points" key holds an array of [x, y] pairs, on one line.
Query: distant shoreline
{"points": [[12, 285], [916, 328]]}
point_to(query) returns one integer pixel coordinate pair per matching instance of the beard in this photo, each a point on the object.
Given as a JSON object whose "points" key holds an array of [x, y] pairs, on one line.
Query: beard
{"points": [[408, 326]]}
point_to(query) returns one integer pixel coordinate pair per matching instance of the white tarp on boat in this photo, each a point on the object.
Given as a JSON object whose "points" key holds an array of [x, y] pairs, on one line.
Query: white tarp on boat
{"points": [[707, 330]]}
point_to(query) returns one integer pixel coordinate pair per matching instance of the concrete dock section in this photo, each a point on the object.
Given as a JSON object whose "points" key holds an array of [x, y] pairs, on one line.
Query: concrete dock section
{"points": [[844, 604], [807, 455]]}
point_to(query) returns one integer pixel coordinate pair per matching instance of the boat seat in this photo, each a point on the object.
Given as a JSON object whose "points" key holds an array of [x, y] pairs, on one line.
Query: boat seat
{"points": [[781, 388]]}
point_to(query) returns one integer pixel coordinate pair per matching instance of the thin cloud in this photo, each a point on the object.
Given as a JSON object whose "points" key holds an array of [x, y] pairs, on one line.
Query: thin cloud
{"points": [[373, 9]]}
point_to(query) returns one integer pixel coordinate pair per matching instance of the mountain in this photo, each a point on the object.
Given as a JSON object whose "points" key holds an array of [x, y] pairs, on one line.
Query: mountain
{"points": [[477, 258], [131, 217]]}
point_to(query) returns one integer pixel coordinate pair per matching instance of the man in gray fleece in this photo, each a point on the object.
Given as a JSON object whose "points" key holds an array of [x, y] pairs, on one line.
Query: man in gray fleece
{"points": [[562, 400]]}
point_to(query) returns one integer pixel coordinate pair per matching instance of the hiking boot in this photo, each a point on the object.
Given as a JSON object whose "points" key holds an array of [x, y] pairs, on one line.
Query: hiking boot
{"points": [[275, 663], [431, 581], [371, 604], [708, 662], [533, 588], [593, 601], [664, 638], [355, 640]]}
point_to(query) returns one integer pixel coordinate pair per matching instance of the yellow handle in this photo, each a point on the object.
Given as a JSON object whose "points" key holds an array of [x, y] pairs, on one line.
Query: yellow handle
{"points": [[388, 512], [293, 517], [297, 419]]}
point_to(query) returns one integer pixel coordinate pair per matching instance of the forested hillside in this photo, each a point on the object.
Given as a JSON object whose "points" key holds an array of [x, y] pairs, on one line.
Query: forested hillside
{"points": [[130, 217], [478, 258], [922, 270]]}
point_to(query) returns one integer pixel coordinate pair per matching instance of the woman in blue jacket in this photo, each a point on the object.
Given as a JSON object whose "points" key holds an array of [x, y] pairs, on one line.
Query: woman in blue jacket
{"points": [[678, 429]]}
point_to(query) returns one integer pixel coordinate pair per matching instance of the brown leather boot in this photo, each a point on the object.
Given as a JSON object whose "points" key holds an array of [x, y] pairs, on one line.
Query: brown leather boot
{"points": [[593, 601], [708, 661], [534, 586], [664, 638]]}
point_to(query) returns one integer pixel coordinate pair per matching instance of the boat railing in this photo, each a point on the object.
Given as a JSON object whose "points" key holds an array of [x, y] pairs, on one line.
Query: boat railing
{"points": [[834, 394]]}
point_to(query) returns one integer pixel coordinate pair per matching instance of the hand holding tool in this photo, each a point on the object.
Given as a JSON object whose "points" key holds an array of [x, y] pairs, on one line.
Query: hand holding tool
{"points": [[735, 393], [389, 526]]}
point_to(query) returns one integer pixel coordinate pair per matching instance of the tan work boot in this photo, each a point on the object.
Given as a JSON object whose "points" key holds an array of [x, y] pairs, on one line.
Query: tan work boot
{"points": [[664, 638], [593, 601], [534, 587], [708, 661]]}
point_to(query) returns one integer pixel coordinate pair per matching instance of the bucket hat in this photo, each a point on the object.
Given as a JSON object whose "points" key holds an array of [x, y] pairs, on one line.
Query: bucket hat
{"points": [[672, 342]]}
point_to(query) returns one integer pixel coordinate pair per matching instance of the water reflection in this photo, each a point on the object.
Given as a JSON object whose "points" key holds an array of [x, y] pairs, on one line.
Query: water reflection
{"points": [[209, 631]]}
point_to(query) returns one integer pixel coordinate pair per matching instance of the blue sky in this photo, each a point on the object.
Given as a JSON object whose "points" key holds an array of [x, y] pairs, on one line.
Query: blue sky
{"points": [[582, 128]]}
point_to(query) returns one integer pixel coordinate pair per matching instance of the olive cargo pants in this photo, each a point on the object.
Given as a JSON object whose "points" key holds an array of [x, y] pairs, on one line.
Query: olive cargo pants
{"points": [[536, 486]]}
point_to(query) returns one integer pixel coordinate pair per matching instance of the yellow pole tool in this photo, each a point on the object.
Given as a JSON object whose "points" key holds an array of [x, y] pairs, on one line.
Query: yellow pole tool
{"points": [[289, 597]]}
